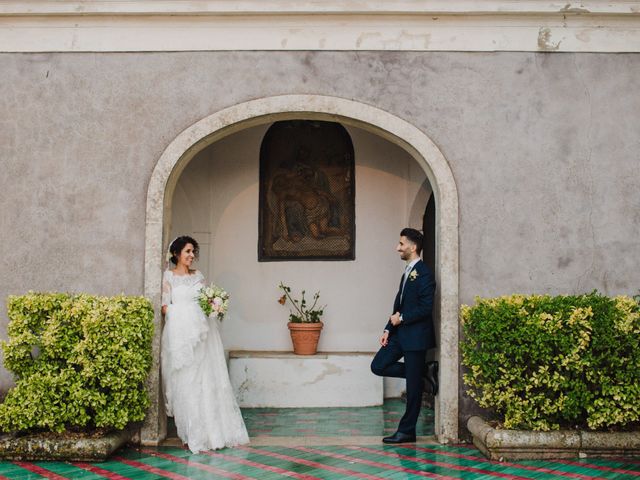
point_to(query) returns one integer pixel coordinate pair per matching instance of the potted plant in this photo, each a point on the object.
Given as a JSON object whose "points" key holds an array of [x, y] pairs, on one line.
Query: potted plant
{"points": [[304, 321]]}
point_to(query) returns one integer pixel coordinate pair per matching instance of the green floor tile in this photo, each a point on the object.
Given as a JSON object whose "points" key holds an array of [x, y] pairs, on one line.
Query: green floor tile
{"points": [[329, 462], [360, 421], [68, 470]]}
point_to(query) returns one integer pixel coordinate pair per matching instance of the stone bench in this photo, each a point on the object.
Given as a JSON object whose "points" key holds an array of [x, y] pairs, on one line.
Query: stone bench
{"points": [[282, 379]]}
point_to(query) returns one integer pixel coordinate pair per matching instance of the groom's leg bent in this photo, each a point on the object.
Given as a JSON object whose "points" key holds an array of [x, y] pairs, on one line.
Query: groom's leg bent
{"points": [[385, 363], [414, 365]]}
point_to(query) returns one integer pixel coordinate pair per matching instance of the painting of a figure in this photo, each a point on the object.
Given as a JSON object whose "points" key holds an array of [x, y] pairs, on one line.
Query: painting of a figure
{"points": [[307, 204]]}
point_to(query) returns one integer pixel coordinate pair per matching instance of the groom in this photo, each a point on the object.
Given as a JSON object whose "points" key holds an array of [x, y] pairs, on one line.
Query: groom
{"points": [[409, 334]]}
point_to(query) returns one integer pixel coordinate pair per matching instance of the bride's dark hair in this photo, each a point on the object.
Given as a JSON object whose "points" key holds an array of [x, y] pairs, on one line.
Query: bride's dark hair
{"points": [[178, 244]]}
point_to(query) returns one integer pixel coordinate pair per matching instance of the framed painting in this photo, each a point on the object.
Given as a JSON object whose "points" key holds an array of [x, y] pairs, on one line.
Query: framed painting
{"points": [[307, 192]]}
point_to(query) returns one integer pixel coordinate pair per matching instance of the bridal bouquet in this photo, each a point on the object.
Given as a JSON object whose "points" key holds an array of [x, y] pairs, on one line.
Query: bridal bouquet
{"points": [[214, 300]]}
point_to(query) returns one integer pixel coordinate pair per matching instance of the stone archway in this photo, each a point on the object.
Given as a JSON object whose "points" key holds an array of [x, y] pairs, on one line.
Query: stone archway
{"points": [[256, 112]]}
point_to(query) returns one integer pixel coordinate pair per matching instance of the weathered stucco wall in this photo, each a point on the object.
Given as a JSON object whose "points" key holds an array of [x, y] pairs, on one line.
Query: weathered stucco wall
{"points": [[543, 147]]}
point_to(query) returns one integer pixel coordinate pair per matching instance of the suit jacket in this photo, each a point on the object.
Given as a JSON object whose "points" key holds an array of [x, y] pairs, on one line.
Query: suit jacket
{"points": [[416, 331]]}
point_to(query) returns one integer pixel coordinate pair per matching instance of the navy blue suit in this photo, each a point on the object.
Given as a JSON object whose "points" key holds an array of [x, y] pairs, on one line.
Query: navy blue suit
{"points": [[410, 339]]}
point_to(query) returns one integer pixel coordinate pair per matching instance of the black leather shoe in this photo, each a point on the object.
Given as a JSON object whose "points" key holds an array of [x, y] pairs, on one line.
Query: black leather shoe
{"points": [[431, 377], [399, 437]]}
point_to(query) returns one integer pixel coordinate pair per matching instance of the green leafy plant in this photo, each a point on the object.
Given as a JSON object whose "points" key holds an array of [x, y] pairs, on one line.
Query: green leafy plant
{"points": [[544, 362], [301, 312], [79, 361]]}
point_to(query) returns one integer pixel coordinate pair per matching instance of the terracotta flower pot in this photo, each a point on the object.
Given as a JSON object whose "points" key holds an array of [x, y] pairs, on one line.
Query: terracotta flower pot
{"points": [[305, 337]]}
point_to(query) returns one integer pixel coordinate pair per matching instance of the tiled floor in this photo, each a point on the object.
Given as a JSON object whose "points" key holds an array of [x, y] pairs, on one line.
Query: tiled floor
{"points": [[322, 462], [340, 452], [364, 421]]}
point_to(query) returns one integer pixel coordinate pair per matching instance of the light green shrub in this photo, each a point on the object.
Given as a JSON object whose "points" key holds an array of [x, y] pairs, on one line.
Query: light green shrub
{"points": [[545, 362], [78, 360]]}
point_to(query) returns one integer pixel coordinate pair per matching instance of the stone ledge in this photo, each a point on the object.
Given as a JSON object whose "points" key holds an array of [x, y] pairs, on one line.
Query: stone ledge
{"points": [[285, 380], [60, 448], [529, 445], [290, 354]]}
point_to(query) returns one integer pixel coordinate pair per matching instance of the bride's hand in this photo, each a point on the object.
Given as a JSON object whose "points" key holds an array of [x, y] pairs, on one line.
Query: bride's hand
{"points": [[164, 309]]}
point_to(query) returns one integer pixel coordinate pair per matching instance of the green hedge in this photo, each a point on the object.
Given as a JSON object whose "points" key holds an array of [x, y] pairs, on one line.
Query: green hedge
{"points": [[545, 362], [78, 360]]}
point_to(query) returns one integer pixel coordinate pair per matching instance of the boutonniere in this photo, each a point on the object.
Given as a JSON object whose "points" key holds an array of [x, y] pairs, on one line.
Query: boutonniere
{"points": [[413, 275]]}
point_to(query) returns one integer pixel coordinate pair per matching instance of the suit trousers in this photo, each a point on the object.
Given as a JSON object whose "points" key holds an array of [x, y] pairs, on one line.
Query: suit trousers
{"points": [[386, 364]]}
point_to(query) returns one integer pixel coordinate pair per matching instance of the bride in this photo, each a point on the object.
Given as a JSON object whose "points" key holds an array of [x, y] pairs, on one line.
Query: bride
{"points": [[196, 383]]}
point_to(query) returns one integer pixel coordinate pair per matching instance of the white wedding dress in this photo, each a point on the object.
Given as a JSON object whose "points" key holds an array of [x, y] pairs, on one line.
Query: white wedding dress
{"points": [[197, 389]]}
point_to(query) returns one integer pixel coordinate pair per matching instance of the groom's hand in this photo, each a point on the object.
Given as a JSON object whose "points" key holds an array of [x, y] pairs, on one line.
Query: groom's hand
{"points": [[384, 339], [395, 319]]}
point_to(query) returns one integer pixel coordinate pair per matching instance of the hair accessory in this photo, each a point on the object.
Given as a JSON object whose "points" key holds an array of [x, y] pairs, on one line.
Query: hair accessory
{"points": [[169, 255]]}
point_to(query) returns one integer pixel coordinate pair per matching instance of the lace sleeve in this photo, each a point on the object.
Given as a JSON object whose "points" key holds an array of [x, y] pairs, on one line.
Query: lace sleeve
{"points": [[166, 288], [199, 278]]}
